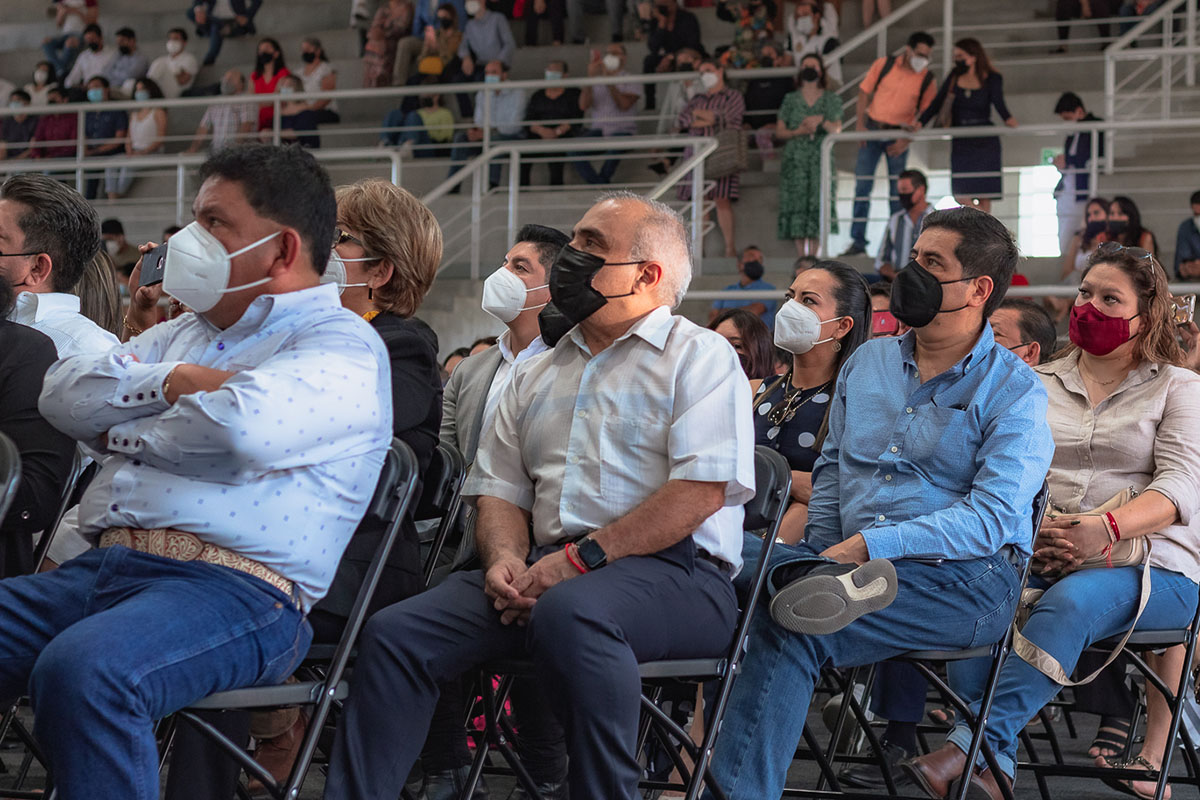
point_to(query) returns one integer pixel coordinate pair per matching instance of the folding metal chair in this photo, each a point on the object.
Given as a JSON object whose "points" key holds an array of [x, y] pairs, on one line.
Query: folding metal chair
{"points": [[923, 661], [441, 499], [1140, 643], [393, 494], [773, 479], [10, 473]]}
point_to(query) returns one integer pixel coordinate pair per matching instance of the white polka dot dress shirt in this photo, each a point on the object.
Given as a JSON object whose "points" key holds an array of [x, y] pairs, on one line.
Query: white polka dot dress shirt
{"points": [[277, 465], [579, 440]]}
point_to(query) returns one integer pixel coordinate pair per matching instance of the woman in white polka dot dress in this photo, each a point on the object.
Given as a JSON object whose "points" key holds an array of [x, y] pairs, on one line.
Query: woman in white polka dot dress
{"points": [[827, 315]]}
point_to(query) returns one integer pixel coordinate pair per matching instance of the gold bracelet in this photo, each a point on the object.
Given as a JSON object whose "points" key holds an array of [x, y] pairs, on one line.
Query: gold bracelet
{"points": [[166, 384], [131, 328]]}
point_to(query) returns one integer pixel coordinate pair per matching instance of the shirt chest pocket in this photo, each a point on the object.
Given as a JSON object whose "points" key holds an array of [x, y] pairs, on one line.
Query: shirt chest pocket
{"points": [[943, 442], [633, 457]]}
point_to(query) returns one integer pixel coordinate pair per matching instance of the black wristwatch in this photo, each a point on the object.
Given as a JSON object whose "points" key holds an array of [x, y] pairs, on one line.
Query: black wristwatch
{"points": [[591, 553]]}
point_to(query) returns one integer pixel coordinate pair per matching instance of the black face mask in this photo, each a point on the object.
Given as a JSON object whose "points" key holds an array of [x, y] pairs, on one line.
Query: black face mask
{"points": [[571, 283], [265, 58], [308, 58], [125, 49], [1117, 226], [1094, 228], [917, 296], [960, 67], [552, 324], [767, 61], [753, 270], [810, 74], [906, 200], [446, 23], [93, 46]]}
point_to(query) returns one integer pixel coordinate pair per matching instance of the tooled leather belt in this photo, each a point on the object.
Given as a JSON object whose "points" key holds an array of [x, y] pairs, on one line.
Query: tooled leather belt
{"points": [[184, 546]]}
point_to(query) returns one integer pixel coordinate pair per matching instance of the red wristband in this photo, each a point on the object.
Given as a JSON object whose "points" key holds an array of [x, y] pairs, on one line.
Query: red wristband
{"points": [[1112, 522], [576, 564]]}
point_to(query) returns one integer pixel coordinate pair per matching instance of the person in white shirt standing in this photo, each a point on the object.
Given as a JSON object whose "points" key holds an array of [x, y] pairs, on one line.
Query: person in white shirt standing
{"points": [[233, 479], [628, 451], [174, 72], [48, 234]]}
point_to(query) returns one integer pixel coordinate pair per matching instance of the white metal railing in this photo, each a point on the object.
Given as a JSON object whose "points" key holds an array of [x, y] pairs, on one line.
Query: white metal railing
{"points": [[511, 153], [1041, 290], [1138, 77], [1095, 129]]}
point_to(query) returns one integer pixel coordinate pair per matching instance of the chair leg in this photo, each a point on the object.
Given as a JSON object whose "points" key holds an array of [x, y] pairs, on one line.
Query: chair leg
{"points": [[1176, 704], [826, 769]]}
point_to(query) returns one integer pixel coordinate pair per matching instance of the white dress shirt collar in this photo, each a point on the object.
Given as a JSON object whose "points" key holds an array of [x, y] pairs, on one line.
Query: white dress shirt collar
{"points": [[56, 314], [653, 328], [33, 307]]}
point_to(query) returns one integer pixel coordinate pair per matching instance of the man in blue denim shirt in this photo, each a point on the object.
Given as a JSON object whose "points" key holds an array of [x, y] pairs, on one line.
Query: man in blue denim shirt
{"points": [[920, 506]]}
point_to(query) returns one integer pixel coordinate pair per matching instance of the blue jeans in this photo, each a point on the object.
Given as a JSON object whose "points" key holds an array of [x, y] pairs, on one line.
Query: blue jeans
{"points": [[1128, 9], [61, 52], [465, 150], [585, 168], [864, 181], [115, 639], [214, 26], [958, 604], [1080, 609]]}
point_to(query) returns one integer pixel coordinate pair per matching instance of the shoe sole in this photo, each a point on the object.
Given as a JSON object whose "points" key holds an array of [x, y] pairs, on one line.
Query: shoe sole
{"points": [[918, 779], [822, 604]]}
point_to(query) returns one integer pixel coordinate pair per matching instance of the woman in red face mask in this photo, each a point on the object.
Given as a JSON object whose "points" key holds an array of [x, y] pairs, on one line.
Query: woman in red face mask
{"points": [[1123, 411]]}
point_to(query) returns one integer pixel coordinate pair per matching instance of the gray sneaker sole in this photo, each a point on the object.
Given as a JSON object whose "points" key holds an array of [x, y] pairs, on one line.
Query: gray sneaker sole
{"points": [[821, 604]]}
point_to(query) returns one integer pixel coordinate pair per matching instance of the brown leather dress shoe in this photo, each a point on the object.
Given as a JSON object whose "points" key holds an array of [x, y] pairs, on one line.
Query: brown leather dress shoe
{"points": [[984, 786], [934, 773], [278, 755]]}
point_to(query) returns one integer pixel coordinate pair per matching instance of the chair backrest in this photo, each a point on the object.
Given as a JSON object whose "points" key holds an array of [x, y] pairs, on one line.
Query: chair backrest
{"points": [[442, 499], [773, 482], [10, 473]]}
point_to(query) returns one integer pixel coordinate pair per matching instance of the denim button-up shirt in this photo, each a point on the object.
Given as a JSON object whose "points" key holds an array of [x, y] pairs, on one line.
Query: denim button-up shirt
{"points": [[942, 469]]}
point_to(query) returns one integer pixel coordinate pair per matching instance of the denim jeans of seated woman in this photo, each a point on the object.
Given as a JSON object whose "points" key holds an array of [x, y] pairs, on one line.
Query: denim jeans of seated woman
{"points": [[1082, 608], [115, 639], [957, 604]]}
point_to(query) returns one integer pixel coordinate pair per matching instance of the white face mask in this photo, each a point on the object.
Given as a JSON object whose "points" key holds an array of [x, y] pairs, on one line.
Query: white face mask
{"points": [[918, 63], [335, 271], [197, 269], [612, 63], [709, 79], [797, 328], [174, 47], [504, 295], [804, 25], [40, 76], [112, 246]]}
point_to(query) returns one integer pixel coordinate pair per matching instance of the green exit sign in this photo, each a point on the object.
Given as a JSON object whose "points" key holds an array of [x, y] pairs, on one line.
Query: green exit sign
{"points": [[1049, 154]]}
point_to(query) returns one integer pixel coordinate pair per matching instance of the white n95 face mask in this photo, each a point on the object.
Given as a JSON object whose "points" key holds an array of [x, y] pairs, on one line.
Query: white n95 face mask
{"points": [[797, 328], [197, 269], [504, 295], [335, 271]]}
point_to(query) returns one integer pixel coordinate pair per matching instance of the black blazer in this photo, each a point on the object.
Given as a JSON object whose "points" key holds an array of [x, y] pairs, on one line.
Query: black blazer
{"points": [[46, 454], [412, 347]]}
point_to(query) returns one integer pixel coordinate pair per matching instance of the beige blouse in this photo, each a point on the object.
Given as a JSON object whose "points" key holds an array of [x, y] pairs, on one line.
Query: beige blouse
{"points": [[1143, 435]]}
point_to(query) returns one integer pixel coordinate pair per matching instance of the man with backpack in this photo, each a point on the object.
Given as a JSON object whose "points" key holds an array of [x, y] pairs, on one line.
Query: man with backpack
{"points": [[895, 91]]}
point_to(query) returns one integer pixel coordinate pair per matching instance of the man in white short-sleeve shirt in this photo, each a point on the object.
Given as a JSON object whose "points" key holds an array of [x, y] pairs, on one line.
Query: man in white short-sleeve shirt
{"points": [[609, 493]]}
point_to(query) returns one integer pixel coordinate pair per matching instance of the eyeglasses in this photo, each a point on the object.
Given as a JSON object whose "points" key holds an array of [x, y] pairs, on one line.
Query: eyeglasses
{"points": [[341, 237], [14, 255]]}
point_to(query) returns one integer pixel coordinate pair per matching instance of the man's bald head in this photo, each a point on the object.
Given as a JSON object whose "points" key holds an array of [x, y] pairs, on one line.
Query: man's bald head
{"points": [[659, 234]]}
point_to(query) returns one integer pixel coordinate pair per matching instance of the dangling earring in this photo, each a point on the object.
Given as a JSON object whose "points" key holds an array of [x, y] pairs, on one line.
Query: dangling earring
{"points": [[837, 345], [370, 292]]}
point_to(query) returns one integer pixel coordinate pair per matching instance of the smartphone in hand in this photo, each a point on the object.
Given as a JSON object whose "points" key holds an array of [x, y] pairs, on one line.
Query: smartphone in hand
{"points": [[153, 265]]}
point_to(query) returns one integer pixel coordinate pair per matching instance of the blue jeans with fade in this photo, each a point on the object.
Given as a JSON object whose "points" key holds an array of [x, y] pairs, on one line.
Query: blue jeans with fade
{"points": [[954, 605], [115, 639], [1082, 608], [864, 181]]}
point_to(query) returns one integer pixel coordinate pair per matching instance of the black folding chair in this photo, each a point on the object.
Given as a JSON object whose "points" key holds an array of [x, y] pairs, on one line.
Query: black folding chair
{"points": [[773, 479], [1140, 643], [393, 494], [10, 473], [441, 499], [924, 661]]}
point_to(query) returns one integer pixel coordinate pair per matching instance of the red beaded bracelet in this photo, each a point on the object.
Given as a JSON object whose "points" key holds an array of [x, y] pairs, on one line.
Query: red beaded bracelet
{"points": [[1113, 525], [576, 564]]}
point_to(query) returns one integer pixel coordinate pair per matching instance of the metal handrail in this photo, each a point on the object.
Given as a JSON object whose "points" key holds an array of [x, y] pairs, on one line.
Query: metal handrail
{"points": [[1121, 51], [702, 147], [1039, 290], [972, 132]]}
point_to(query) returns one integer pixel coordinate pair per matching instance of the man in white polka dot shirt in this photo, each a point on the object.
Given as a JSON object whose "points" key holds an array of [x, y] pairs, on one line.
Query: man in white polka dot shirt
{"points": [[242, 445]]}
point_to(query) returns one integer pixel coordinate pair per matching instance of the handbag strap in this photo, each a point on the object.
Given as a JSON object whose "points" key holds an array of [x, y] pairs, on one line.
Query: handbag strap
{"points": [[1048, 665]]}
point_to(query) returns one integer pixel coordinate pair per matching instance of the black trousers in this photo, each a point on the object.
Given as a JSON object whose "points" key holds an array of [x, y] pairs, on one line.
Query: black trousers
{"points": [[585, 638], [1073, 9]]}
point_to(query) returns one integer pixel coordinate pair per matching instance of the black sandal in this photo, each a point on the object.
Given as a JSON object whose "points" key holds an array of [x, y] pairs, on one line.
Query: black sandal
{"points": [[1124, 786], [1112, 736]]}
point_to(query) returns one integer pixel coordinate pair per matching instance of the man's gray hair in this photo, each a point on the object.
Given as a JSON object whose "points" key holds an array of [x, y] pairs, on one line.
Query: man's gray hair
{"points": [[661, 235]]}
